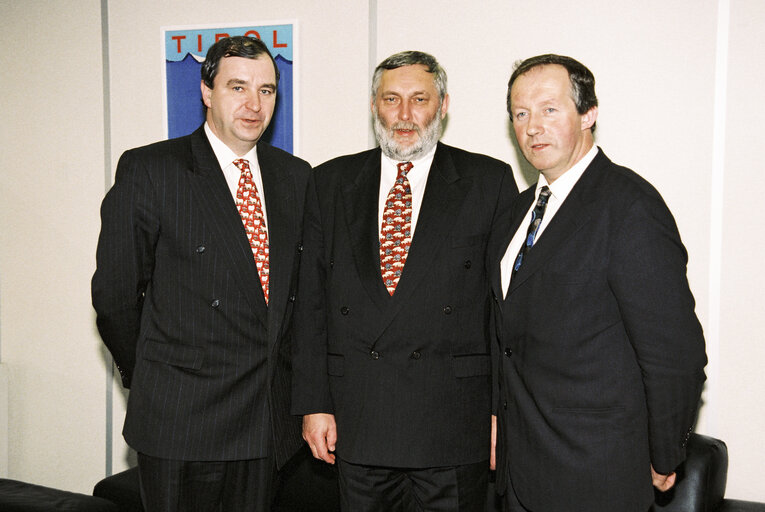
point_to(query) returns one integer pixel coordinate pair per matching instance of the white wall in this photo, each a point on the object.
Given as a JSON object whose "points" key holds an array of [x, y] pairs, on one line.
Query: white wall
{"points": [[659, 81], [740, 412], [51, 183]]}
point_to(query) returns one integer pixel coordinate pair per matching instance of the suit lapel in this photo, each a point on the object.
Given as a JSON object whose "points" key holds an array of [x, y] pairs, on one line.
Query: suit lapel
{"points": [[507, 229], [280, 208], [220, 212], [444, 193], [575, 212], [361, 197]]}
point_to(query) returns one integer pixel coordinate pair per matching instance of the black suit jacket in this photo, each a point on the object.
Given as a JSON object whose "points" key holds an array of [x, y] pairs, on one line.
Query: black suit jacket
{"points": [[181, 308], [407, 377], [602, 356]]}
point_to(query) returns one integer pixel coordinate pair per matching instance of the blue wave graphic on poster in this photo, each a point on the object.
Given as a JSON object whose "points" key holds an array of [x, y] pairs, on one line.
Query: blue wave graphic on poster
{"points": [[185, 111]]}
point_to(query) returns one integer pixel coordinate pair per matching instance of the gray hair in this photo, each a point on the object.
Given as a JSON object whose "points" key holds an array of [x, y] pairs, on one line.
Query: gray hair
{"points": [[411, 58]]}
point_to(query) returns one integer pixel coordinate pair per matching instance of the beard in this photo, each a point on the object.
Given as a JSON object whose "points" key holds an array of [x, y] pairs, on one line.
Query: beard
{"points": [[427, 138]]}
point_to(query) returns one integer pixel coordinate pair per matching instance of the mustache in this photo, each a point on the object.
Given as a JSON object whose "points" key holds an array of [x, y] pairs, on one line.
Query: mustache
{"points": [[401, 125]]}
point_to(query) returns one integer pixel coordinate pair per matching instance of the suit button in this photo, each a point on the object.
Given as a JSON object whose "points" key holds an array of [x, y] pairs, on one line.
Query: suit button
{"points": [[416, 355], [508, 352], [374, 355], [344, 310], [447, 310], [468, 264], [201, 249], [504, 404], [493, 296], [292, 298], [331, 263], [215, 303], [299, 247]]}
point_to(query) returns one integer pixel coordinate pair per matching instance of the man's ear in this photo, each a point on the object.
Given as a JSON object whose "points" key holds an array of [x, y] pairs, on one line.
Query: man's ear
{"points": [[589, 118], [206, 92], [445, 105]]}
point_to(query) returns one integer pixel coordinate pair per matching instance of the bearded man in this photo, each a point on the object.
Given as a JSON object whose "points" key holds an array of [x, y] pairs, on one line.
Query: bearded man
{"points": [[392, 353]]}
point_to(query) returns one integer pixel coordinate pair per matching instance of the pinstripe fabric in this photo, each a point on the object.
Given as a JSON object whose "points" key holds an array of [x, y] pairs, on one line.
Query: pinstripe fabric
{"points": [[180, 306]]}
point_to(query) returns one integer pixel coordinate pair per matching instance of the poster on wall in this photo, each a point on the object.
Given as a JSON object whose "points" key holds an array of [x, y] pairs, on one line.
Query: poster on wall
{"points": [[184, 52]]}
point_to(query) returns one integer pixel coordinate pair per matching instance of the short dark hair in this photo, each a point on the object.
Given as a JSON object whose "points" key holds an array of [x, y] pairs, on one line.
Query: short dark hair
{"points": [[236, 46], [582, 80], [411, 58]]}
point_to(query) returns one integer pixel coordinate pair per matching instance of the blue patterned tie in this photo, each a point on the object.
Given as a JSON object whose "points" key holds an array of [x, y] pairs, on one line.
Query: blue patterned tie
{"points": [[536, 220]]}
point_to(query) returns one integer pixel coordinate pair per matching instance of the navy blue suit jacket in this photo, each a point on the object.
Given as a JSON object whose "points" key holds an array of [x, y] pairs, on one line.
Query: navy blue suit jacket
{"points": [[601, 354]]}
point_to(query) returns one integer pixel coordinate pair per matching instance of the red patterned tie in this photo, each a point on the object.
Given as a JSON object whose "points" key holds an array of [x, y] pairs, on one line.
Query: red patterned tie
{"points": [[396, 233], [251, 210]]}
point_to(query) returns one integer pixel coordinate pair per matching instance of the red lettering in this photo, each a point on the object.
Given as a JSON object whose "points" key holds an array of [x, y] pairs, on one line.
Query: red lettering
{"points": [[252, 33], [278, 45], [178, 39], [199, 43], [218, 37]]}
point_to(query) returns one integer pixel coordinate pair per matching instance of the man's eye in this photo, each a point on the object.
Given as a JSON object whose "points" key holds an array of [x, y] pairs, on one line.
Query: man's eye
{"points": [[520, 115]]}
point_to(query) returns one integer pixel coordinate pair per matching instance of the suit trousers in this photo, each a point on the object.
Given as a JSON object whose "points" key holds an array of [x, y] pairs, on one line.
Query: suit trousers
{"points": [[510, 501], [217, 486], [382, 489]]}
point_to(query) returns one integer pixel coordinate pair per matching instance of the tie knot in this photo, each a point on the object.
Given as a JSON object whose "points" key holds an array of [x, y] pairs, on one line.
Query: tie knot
{"points": [[544, 195], [242, 164], [404, 168]]}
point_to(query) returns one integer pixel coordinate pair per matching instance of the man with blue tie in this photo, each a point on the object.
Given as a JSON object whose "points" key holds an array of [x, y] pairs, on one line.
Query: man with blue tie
{"points": [[601, 355]]}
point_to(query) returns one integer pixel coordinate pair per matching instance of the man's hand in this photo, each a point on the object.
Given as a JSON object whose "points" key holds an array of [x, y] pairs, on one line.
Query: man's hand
{"points": [[320, 432], [663, 482], [493, 455]]}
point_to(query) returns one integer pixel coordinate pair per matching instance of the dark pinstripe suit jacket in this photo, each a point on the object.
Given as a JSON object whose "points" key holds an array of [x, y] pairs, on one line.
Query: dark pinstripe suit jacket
{"points": [[181, 309], [407, 377]]}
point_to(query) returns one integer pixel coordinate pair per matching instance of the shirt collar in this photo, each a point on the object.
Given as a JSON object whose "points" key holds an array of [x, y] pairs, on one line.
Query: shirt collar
{"points": [[417, 163], [561, 187], [223, 153]]}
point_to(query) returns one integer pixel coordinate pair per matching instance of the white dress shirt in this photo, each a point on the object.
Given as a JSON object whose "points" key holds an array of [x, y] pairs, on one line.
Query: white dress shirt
{"points": [[559, 190], [232, 173], [417, 176]]}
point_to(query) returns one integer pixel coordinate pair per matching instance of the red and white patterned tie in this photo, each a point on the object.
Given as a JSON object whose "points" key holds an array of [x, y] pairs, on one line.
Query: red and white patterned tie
{"points": [[396, 232], [250, 208]]}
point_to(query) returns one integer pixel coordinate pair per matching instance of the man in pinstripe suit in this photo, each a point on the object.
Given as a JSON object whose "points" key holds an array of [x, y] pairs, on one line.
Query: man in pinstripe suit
{"points": [[199, 332]]}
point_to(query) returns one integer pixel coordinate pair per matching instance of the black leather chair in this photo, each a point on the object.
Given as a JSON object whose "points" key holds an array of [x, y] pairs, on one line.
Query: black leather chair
{"points": [[701, 481], [123, 489], [16, 496]]}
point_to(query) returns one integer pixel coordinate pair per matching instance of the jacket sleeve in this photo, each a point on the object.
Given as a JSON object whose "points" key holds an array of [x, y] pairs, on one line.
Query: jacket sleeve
{"points": [[310, 384], [647, 274], [124, 261]]}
